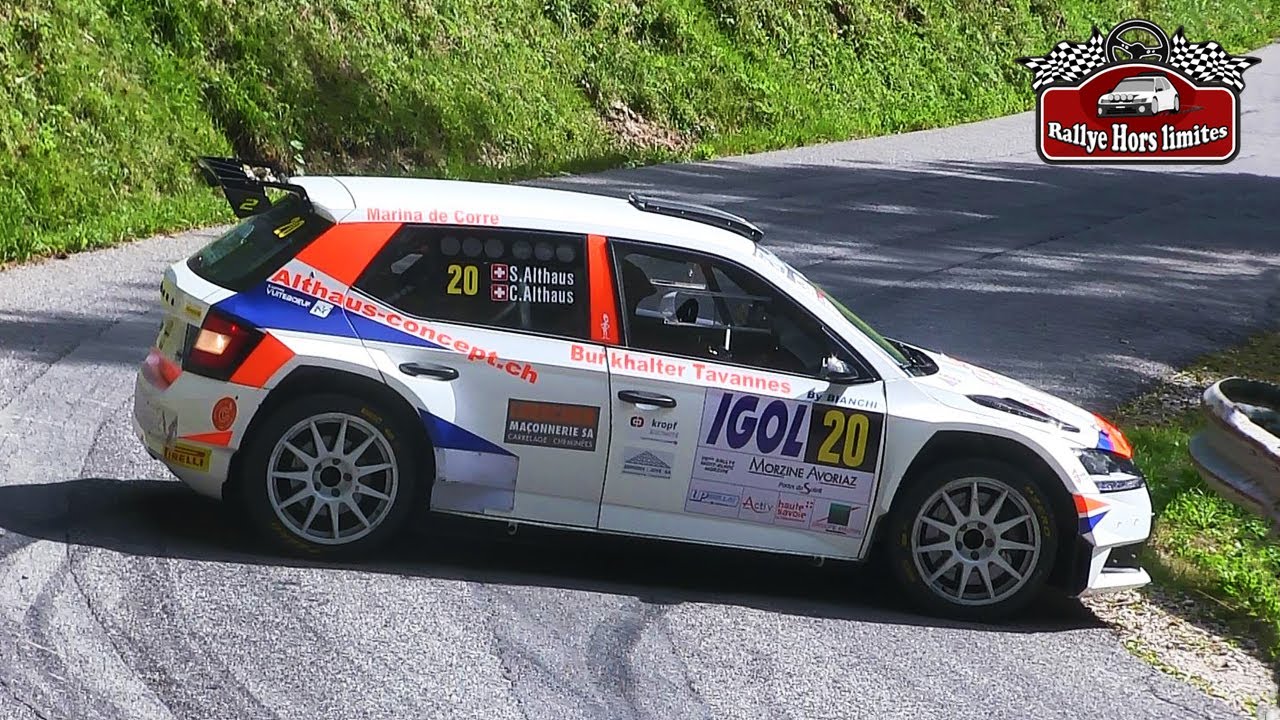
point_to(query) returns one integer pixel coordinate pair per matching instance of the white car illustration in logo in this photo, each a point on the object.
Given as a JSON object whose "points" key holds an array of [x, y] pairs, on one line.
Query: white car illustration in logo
{"points": [[1144, 94]]}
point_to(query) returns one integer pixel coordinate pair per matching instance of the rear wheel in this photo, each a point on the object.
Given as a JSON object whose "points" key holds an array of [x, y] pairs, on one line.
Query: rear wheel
{"points": [[329, 476], [973, 539]]}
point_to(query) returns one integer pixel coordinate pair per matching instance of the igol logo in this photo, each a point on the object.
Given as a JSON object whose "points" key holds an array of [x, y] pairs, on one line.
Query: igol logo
{"points": [[773, 428]]}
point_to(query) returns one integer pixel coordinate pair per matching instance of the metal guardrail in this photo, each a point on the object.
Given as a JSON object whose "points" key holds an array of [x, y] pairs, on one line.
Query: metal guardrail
{"points": [[1238, 450]]}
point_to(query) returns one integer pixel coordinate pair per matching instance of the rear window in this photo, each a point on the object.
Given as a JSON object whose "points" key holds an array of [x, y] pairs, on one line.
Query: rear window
{"points": [[248, 253]]}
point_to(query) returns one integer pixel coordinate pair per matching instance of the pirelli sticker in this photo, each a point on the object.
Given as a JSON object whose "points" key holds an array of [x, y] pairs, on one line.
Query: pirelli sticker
{"points": [[553, 425], [188, 456]]}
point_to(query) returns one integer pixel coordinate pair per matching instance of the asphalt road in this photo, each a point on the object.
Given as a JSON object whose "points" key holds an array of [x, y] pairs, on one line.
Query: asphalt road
{"points": [[124, 596]]}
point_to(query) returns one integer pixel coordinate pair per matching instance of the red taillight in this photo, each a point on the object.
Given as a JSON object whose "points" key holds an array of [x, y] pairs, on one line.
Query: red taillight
{"points": [[218, 347]]}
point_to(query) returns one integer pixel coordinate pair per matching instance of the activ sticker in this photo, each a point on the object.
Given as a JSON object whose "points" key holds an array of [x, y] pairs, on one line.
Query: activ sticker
{"points": [[786, 462], [188, 456]]}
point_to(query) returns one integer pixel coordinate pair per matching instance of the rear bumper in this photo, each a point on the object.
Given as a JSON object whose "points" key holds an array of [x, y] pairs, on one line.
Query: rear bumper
{"points": [[173, 425]]}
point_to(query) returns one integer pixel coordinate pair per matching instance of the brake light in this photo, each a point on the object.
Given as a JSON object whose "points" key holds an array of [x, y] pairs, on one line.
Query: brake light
{"points": [[218, 347]]}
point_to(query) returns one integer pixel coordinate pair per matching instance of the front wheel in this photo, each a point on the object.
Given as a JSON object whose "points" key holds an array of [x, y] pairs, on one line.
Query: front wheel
{"points": [[329, 476], [973, 540]]}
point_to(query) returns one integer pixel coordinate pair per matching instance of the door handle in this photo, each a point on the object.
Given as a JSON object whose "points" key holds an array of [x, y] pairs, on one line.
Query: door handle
{"points": [[431, 370], [637, 397]]}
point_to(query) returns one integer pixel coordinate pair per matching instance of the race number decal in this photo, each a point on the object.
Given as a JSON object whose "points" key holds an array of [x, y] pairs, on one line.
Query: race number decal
{"points": [[785, 462], [463, 280], [845, 438]]}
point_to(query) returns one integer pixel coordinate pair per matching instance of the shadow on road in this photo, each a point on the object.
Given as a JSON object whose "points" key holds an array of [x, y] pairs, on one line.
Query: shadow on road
{"points": [[164, 519]]}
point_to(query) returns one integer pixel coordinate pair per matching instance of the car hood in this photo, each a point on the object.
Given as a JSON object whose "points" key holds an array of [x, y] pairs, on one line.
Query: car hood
{"points": [[956, 382]]}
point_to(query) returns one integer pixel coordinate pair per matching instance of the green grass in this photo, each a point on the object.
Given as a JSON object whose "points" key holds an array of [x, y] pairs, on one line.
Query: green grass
{"points": [[105, 102], [1203, 544]]}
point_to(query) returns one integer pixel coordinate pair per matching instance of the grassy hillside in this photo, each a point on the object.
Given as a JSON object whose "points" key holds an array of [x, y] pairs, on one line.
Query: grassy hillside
{"points": [[106, 101]]}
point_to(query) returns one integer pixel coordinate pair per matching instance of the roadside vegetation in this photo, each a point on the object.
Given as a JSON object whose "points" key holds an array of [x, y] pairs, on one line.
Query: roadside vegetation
{"points": [[106, 102], [1202, 545]]}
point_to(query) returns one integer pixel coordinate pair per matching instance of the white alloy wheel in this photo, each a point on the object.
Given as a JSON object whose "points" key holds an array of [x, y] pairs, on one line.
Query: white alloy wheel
{"points": [[976, 541], [332, 478]]}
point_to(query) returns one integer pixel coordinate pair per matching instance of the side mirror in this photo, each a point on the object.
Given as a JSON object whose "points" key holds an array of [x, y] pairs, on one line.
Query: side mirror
{"points": [[839, 372]]}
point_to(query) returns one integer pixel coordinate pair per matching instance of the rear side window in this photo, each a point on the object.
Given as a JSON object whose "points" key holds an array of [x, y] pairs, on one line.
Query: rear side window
{"points": [[248, 253], [502, 278]]}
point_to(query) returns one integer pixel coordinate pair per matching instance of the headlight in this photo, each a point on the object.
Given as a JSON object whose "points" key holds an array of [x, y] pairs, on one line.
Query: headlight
{"points": [[1103, 465]]}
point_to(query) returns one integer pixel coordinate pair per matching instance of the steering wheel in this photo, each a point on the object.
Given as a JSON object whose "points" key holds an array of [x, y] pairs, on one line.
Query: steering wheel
{"points": [[1137, 50]]}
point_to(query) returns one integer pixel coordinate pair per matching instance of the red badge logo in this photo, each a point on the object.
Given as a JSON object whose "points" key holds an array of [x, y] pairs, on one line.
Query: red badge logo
{"points": [[1138, 95], [224, 413]]}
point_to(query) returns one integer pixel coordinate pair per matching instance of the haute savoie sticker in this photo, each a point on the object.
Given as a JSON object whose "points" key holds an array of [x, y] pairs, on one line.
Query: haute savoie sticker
{"points": [[1138, 95]]}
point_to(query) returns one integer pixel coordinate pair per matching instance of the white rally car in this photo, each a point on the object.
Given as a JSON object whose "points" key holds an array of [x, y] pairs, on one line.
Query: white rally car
{"points": [[358, 348]]}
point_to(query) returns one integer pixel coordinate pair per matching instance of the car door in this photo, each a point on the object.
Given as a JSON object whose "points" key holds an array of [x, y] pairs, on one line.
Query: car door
{"points": [[476, 324], [724, 430]]}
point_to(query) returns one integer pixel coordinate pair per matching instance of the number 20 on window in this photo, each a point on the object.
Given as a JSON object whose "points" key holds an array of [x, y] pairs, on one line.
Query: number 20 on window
{"points": [[463, 280]]}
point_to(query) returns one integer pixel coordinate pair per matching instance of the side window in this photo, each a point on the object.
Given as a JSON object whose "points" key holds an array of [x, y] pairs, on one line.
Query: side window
{"points": [[694, 306], [496, 277]]}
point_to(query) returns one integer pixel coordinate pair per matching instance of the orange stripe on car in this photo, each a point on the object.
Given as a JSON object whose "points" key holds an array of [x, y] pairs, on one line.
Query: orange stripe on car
{"points": [[604, 301], [263, 362], [344, 250], [219, 439], [1086, 505]]}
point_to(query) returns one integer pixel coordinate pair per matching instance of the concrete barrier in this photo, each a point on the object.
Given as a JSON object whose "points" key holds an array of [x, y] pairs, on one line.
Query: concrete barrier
{"points": [[1238, 450]]}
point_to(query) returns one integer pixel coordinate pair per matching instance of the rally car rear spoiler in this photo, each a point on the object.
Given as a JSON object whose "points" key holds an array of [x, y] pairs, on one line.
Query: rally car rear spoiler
{"points": [[246, 186]]}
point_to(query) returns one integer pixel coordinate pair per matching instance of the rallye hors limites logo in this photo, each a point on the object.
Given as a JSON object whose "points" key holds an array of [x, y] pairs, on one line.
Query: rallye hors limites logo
{"points": [[1137, 95]]}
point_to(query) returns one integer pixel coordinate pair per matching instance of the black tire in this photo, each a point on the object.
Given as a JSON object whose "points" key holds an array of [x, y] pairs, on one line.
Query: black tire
{"points": [[905, 535], [400, 483]]}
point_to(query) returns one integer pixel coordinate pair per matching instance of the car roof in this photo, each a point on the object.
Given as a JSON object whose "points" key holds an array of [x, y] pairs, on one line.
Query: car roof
{"points": [[373, 199]]}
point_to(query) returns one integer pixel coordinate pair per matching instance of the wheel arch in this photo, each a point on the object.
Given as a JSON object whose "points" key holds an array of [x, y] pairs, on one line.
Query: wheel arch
{"points": [[307, 379], [948, 445]]}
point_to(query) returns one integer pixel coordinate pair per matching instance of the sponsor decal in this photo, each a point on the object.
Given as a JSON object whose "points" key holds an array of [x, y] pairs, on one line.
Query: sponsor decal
{"points": [[828, 435], [842, 400], [224, 413], [434, 215], [654, 428], [839, 518], [279, 293], [793, 511], [798, 458], [321, 309], [188, 456], [316, 288], [712, 465], [712, 498], [672, 368], [758, 506], [193, 312], [1137, 95], [555, 425], [647, 463]]}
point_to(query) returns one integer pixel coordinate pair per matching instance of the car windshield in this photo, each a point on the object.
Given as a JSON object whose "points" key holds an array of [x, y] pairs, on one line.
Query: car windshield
{"points": [[1136, 86], [825, 297]]}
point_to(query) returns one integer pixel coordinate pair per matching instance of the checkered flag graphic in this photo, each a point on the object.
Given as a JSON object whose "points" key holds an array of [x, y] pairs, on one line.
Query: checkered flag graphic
{"points": [[1067, 62], [1207, 62]]}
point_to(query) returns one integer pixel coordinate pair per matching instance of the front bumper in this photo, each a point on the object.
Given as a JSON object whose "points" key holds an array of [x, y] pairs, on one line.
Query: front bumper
{"points": [[1113, 530], [1126, 110]]}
